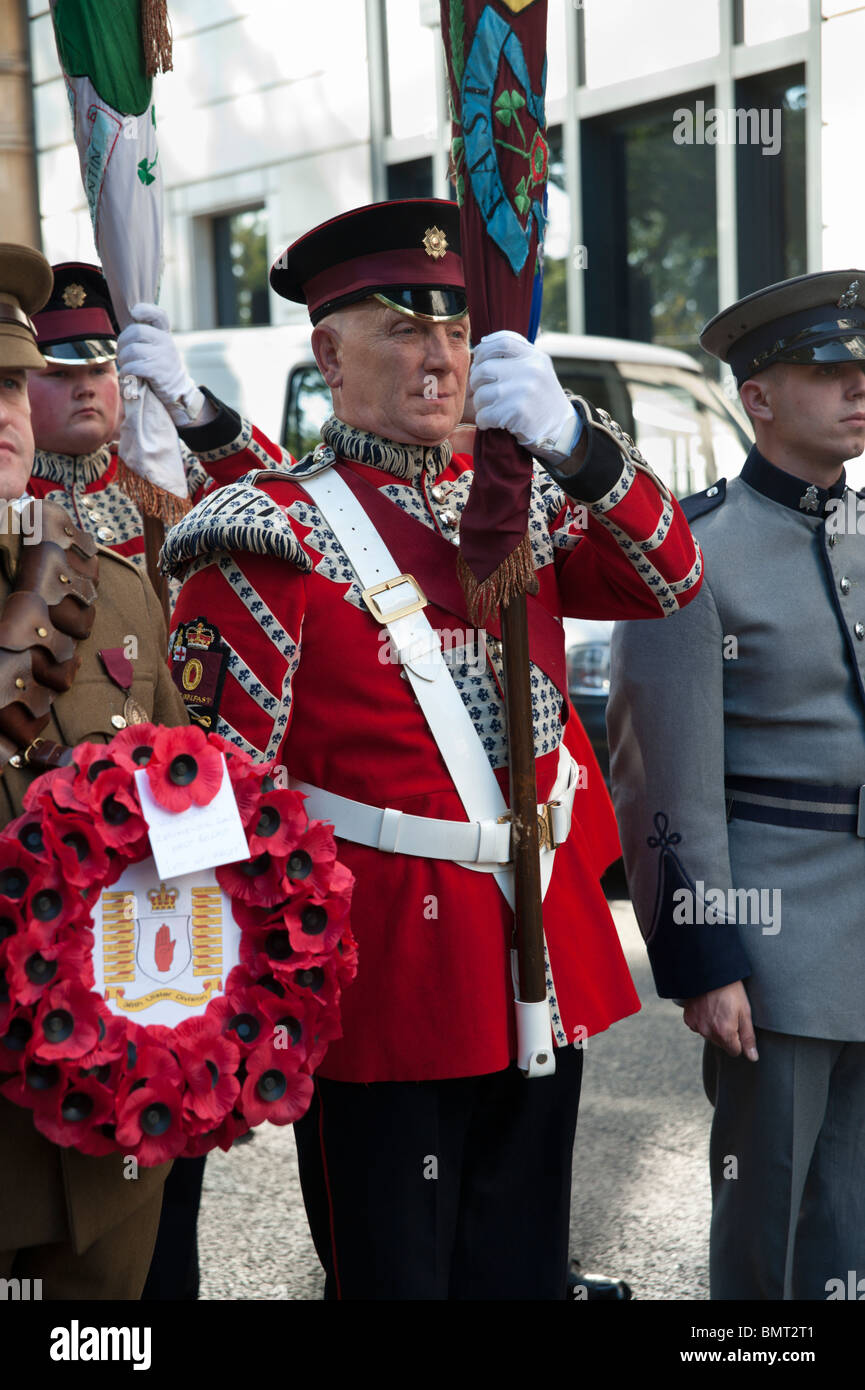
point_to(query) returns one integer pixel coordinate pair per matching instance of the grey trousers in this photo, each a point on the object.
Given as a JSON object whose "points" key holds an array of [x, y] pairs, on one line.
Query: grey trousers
{"points": [[787, 1160]]}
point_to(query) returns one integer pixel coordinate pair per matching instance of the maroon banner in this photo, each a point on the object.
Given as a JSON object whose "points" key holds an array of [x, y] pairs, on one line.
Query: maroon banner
{"points": [[497, 70]]}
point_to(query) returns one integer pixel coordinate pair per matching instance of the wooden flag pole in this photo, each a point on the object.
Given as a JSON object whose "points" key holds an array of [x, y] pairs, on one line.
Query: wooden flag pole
{"points": [[154, 536], [529, 924], [496, 68]]}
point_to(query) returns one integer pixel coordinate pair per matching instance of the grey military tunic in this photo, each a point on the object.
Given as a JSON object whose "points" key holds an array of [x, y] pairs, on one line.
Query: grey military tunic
{"points": [[751, 703]]}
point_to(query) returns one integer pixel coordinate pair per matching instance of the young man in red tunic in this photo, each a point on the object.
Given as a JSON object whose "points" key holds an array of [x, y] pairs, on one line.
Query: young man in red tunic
{"points": [[431, 1167], [75, 400]]}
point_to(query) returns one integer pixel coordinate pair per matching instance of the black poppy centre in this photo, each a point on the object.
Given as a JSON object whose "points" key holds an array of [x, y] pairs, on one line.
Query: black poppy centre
{"points": [[182, 770]]}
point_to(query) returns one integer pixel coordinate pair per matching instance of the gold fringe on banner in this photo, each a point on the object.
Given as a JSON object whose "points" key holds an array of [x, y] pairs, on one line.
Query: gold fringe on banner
{"points": [[150, 499], [155, 37], [515, 575]]}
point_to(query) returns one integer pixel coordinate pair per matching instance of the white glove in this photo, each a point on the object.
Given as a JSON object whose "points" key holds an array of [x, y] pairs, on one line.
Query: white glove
{"points": [[515, 388], [147, 350]]}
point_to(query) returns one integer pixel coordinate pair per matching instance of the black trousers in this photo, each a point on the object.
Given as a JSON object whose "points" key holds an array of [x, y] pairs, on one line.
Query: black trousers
{"points": [[174, 1267], [455, 1189]]}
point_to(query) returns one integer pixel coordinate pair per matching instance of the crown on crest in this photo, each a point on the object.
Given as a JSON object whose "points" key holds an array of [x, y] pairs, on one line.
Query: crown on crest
{"points": [[199, 636], [162, 899]]}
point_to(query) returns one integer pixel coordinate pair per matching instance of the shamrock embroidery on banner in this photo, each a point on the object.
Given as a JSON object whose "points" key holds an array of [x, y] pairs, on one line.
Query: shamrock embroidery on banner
{"points": [[144, 171]]}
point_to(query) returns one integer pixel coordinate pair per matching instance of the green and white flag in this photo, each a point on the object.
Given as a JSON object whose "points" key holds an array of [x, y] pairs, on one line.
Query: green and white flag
{"points": [[108, 52]]}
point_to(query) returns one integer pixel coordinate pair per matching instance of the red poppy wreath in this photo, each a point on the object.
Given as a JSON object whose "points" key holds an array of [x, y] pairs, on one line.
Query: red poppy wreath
{"points": [[244, 963]]}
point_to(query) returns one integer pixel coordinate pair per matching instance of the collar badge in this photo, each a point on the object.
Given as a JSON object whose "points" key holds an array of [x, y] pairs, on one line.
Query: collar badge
{"points": [[850, 296], [810, 500], [435, 243]]}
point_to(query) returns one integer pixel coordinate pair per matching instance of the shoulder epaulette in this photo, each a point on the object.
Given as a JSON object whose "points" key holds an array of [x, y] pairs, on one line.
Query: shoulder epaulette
{"points": [[318, 461], [706, 501], [240, 516]]}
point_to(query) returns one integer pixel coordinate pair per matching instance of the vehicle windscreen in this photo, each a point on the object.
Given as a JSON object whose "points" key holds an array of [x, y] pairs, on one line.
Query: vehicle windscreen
{"points": [[683, 425], [681, 422], [308, 404]]}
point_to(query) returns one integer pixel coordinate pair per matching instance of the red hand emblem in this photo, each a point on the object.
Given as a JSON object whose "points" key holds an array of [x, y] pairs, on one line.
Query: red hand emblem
{"points": [[164, 949]]}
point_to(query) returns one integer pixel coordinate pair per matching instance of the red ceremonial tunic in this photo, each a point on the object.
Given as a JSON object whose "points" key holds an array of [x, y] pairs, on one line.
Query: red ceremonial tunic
{"points": [[308, 682]]}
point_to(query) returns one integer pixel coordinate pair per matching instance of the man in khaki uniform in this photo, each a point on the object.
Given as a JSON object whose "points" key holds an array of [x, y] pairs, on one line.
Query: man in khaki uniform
{"points": [[93, 662]]}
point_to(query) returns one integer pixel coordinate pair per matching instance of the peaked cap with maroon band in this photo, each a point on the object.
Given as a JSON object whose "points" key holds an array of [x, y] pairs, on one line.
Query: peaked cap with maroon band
{"points": [[405, 252], [77, 323]]}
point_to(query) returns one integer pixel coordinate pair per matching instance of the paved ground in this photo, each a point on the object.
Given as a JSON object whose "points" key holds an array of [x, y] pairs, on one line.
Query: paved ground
{"points": [[641, 1195], [641, 1201]]}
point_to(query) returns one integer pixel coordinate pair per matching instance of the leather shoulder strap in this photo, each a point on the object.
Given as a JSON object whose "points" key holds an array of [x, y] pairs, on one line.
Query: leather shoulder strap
{"points": [[49, 611]]}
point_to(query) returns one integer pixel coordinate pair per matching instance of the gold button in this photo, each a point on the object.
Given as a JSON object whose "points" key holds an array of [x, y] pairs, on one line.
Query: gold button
{"points": [[64, 578], [19, 684], [118, 721], [68, 530], [41, 632]]}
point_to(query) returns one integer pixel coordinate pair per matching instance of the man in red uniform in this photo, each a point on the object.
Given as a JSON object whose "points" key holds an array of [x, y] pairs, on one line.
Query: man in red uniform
{"points": [[431, 1167]]}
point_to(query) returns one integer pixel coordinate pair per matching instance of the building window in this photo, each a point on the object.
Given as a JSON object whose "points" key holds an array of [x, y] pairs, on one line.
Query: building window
{"points": [[649, 225], [557, 239], [413, 50], [624, 39], [759, 21], [241, 268], [411, 179], [770, 178]]}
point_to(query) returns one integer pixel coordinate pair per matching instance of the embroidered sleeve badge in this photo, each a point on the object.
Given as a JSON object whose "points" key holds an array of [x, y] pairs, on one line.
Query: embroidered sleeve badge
{"points": [[199, 660]]}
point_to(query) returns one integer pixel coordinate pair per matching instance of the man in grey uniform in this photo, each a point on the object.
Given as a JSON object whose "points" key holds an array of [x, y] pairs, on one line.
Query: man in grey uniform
{"points": [[737, 731]]}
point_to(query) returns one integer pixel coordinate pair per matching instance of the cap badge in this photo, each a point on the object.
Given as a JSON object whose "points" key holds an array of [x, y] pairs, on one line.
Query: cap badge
{"points": [[74, 296], [850, 296], [435, 243], [810, 500]]}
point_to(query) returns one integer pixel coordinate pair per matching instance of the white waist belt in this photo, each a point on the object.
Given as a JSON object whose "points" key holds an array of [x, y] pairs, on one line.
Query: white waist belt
{"points": [[482, 845]]}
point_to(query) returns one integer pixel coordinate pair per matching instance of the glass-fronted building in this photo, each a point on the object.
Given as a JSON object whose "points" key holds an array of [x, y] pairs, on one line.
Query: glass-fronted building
{"points": [[699, 148]]}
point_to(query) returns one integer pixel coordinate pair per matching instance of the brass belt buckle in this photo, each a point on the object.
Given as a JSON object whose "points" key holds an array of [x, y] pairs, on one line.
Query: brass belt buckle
{"points": [[22, 759], [30, 748], [368, 596], [546, 832]]}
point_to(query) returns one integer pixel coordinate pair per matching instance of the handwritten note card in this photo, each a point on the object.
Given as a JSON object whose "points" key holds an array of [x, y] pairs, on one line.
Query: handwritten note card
{"points": [[200, 837]]}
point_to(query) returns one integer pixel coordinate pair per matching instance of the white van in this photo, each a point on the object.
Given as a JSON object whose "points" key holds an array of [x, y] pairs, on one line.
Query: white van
{"points": [[682, 421]]}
